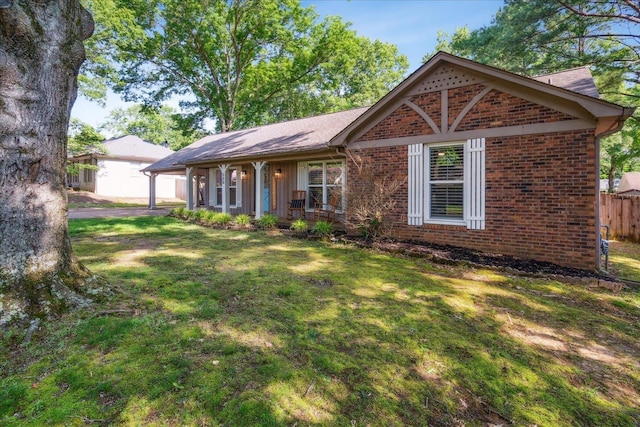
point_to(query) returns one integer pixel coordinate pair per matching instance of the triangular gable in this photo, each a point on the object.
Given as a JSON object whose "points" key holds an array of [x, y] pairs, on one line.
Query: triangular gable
{"points": [[422, 105]]}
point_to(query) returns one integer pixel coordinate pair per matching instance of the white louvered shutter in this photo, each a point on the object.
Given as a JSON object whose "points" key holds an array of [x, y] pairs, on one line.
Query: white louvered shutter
{"points": [[475, 182], [416, 184], [239, 187], [303, 179]]}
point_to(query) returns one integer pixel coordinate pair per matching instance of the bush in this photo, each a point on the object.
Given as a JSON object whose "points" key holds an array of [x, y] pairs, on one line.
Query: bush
{"points": [[178, 212], [209, 217], [201, 215], [299, 226], [189, 214], [222, 218], [322, 228], [268, 221], [243, 220], [371, 198]]}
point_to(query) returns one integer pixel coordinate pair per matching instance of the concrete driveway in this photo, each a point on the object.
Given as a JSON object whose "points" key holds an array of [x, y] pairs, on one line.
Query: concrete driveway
{"points": [[84, 213]]}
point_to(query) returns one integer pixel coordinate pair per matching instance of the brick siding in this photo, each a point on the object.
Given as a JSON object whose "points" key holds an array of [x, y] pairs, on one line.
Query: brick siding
{"points": [[540, 196]]}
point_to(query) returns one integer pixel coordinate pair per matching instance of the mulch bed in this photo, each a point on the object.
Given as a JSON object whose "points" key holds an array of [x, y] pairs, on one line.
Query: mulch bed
{"points": [[452, 255]]}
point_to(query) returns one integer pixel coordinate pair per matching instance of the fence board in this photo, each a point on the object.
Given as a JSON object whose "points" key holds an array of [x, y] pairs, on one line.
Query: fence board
{"points": [[622, 215]]}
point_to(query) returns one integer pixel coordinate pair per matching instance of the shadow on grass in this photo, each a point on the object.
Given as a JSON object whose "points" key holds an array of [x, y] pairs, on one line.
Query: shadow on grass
{"points": [[243, 328]]}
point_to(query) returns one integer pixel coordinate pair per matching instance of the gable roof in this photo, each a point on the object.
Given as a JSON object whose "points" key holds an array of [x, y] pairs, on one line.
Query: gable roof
{"points": [[129, 147], [133, 147], [291, 137], [609, 117], [630, 181], [577, 80]]}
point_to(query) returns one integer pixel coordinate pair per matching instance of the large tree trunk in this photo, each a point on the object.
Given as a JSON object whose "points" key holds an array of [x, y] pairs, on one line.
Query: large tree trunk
{"points": [[40, 55]]}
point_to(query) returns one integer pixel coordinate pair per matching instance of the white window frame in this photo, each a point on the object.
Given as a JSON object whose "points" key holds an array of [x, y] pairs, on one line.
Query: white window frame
{"points": [[303, 182], [233, 203], [427, 182], [474, 187]]}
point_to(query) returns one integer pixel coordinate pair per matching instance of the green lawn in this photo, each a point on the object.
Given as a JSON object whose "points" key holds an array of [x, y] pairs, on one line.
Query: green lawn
{"points": [[234, 328], [624, 259]]}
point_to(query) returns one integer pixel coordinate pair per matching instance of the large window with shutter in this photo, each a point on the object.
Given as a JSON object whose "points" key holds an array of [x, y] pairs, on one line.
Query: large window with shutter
{"points": [[447, 183]]}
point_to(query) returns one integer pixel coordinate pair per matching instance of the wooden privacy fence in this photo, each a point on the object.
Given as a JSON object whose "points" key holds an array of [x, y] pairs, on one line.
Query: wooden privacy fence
{"points": [[622, 215]]}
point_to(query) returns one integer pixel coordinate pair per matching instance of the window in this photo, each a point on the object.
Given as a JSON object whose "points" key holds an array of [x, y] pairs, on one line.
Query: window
{"points": [[447, 183], [321, 179], [232, 175]]}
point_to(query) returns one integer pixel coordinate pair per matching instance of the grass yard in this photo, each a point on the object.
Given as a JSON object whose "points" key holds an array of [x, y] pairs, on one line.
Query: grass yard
{"points": [[624, 258], [233, 328]]}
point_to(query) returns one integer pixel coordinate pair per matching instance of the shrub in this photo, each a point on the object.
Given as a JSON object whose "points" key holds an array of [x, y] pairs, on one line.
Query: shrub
{"points": [[243, 220], [189, 214], [178, 212], [299, 226], [322, 228], [371, 198], [209, 218], [268, 221], [222, 218], [201, 215]]}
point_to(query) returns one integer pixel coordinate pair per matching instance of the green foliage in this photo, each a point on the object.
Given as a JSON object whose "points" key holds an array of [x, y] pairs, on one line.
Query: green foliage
{"points": [[12, 392], [83, 139], [322, 228], [242, 220], [538, 36], [242, 63], [201, 215], [178, 212], [267, 221], [299, 226], [153, 124], [217, 218]]}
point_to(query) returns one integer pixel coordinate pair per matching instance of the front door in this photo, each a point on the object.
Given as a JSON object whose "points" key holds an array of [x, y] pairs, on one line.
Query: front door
{"points": [[266, 185]]}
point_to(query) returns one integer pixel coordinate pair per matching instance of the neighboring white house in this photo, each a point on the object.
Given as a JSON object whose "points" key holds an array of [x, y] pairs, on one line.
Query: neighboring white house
{"points": [[630, 184], [119, 169]]}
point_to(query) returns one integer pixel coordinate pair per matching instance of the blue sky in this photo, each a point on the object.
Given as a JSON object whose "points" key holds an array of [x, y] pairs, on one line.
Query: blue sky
{"points": [[412, 25]]}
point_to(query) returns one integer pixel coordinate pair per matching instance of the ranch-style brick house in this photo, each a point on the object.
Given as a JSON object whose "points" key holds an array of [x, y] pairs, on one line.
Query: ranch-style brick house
{"points": [[489, 160]]}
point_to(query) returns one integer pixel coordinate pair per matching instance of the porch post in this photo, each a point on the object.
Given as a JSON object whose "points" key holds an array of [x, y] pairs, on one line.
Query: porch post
{"points": [[225, 188], [259, 188], [152, 190], [189, 184]]}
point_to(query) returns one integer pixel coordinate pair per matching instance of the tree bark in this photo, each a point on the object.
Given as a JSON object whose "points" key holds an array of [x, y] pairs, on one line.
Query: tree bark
{"points": [[41, 52]]}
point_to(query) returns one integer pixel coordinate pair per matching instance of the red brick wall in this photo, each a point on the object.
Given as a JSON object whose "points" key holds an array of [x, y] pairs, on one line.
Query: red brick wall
{"points": [[540, 196]]}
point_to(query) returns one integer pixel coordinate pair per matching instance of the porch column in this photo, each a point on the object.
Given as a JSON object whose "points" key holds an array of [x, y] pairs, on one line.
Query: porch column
{"points": [[259, 187], [152, 190], [189, 184], [225, 188]]}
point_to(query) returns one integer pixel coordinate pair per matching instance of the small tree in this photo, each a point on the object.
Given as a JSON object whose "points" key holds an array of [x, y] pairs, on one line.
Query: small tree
{"points": [[83, 139], [370, 197]]}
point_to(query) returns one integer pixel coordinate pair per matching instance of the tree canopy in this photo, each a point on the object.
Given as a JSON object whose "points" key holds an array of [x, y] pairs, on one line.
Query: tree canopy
{"points": [[240, 63], [536, 37], [155, 125]]}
